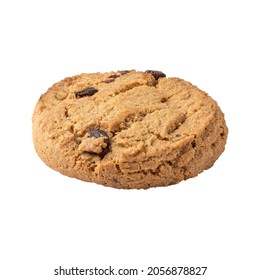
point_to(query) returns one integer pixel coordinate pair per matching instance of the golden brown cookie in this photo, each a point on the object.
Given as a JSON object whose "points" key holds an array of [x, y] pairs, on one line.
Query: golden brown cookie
{"points": [[128, 129]]}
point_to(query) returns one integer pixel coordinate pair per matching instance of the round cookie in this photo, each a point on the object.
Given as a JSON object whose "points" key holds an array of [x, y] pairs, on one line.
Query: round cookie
{"points": [[128, 129]]}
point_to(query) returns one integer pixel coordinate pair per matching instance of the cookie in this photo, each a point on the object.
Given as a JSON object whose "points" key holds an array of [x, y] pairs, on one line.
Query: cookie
{"points": [[128, 129]]}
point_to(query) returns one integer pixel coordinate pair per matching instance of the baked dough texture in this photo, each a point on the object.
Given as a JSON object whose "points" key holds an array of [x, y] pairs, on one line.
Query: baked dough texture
{"points": [[128, 129]]}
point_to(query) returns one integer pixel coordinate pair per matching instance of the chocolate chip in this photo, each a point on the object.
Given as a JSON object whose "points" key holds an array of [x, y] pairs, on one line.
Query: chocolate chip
{"points": [[114, 76], [98, 133], [108, 81], [114, 180], [123, 72], [156, 74], [89, 91]]}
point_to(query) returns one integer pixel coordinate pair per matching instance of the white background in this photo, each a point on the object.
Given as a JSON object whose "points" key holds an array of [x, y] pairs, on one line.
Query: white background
{"points": [[48, 220]]}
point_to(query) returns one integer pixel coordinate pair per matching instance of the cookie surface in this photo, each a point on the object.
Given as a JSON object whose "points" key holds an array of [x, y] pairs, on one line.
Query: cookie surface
{"points": [[128, 129]]}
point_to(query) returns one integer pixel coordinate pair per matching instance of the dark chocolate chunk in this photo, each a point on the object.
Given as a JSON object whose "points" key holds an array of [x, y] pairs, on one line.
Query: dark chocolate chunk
{"points": [[156, 74], [108, 81], [123, 72], [98, 133], [115, 180], [89, 91], [193, 144], [111, 79], [114, 76]]}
